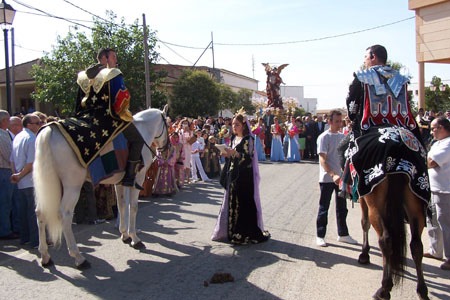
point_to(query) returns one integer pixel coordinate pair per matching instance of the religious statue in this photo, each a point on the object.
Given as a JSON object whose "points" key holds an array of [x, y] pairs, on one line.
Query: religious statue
{"points": [[273, 85]]}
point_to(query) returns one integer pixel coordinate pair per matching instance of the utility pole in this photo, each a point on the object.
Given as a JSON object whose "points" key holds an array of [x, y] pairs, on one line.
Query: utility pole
{"points": [[148, 96], [13, 72], [253, 66], [212, 49]]}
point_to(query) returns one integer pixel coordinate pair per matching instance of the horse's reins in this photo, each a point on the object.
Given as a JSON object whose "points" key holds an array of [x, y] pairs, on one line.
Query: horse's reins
{"points": [[166, 145]]}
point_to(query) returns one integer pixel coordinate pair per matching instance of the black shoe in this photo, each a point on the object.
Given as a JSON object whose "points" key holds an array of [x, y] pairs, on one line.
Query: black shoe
{"points": [[11, 236]]}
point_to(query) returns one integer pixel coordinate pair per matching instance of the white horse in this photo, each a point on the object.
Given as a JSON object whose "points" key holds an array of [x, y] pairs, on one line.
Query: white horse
{"points": [[58, 177]]}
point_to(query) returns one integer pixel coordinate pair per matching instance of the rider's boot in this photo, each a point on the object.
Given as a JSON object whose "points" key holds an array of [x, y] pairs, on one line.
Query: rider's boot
{"points": [[130, 174]]}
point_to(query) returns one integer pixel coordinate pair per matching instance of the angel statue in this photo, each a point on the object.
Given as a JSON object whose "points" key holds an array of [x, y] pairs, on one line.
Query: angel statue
{"points": [[273, 85]]}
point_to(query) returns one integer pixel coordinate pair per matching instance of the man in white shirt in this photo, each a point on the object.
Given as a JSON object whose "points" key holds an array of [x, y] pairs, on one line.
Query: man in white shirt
{"points": [[438, 162], [329, 178], [22, 158]]}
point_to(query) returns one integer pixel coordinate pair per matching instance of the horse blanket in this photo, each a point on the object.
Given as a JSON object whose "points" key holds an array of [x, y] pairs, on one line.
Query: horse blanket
{"points": [[107, 160], [388, 149]]}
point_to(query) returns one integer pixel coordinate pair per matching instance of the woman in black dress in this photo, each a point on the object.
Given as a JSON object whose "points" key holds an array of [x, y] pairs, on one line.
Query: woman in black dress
{"points": [[240, 217]]}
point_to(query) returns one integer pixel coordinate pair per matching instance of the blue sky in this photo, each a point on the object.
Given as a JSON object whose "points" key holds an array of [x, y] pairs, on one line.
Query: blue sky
{"points": [[324, 67]]}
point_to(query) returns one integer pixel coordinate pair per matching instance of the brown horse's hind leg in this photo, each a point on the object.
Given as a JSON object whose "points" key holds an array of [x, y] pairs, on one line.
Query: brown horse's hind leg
{"points": [[385, 243], [364, 257], [376, 211], [416, 215]]}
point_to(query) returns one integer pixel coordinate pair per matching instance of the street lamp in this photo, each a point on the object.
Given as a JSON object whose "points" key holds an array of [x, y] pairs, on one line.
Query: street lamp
{"points": [[442, 87], [435, 89], [7, 14]]}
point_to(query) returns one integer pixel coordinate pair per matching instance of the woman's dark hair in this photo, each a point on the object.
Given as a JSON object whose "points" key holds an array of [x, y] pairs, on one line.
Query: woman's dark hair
{"points": [[240, 119]]}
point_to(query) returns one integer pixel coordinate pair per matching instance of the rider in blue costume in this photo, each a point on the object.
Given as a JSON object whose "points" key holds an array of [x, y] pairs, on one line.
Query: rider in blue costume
{"points": [[102, 113], [385, 137]]}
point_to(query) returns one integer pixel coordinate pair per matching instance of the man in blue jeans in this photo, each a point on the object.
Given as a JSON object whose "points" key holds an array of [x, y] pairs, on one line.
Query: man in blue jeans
{"points": [[22, 158], [6, 187], [329, 177]]}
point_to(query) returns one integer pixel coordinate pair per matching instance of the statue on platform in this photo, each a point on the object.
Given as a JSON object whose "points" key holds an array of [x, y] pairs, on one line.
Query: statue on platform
{"points": [[273, 85]]}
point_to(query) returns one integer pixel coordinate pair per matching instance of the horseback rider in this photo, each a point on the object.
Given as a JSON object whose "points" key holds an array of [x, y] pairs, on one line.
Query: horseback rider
{"points": [[375, 94], [385, 137], [102, 103]]}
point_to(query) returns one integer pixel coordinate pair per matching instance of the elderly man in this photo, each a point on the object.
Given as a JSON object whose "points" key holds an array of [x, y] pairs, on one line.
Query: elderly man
{"points": [[438, 162], [6, 188], [22, 158], [15, 126]]}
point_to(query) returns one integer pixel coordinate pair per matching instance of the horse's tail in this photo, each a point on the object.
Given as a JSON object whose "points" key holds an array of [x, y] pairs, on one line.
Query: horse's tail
{"points": [[396, 224], [47, 186]]}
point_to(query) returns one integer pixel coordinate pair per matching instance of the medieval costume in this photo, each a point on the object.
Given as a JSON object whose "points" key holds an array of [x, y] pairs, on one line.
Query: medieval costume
{"points": [[240, 217], [385, 137], [101, 115], [166, 184], [179, 158], [211, 158]]}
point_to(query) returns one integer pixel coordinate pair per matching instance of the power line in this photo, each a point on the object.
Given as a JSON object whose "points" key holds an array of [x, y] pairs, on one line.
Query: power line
{"points": [[179, 55], [50, 15], [182, 46], [88, 12], [317, 39]]}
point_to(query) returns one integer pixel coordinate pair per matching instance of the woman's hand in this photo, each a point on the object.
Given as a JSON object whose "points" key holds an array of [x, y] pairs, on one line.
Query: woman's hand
{"points": [[231, 153]]}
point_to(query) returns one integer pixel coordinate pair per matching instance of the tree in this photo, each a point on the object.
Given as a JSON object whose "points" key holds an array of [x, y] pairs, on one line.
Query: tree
{"points": [[437, 100], [227, 98], [195, 93], [56, 75], [243, 99]]}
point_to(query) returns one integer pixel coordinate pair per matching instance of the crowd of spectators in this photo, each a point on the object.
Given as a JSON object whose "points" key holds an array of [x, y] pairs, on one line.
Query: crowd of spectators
{"points": [[191, 157]]}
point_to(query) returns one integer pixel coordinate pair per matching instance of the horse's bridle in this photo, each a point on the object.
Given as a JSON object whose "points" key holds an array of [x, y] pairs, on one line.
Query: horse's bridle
{"points": [[164, 129]]}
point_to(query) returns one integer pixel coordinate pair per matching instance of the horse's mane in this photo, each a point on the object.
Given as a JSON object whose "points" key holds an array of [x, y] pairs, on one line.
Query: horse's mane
{"points": [[143, 115]]}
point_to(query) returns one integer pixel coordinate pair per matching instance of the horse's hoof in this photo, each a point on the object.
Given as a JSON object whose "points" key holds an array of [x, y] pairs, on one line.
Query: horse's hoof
{"points": [[128, 240], [364, 259], [48, 264], [138, 245], [382, 294], [84, 265]]}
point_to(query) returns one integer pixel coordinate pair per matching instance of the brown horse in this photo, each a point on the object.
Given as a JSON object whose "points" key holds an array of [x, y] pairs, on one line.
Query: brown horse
{"points": [[387, 207]]}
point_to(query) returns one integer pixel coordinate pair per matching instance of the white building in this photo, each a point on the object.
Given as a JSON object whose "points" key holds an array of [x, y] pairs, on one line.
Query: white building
{"points": [[297, 93]]}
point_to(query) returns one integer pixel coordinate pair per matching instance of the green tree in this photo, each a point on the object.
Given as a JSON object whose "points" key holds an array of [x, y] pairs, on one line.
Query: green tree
{"points": [[243, 99], [195, 93], [56, 75], [437, 100], [227, 98]]}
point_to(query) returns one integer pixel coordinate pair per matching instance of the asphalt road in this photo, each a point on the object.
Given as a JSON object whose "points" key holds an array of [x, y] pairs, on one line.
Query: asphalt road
{"points": [[180, 257]]}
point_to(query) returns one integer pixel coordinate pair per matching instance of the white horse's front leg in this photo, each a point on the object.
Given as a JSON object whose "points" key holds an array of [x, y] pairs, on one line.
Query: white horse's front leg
{"points": [[136, 241], [122, 206], [43, 247]]}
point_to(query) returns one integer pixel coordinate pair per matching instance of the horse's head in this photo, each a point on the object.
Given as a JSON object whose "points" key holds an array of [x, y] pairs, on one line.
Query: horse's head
{"points": [[162, 139], [151, 123]]}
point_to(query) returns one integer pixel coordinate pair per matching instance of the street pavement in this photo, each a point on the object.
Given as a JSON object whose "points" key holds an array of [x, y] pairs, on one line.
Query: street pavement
{"points": [[180, 259]]}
